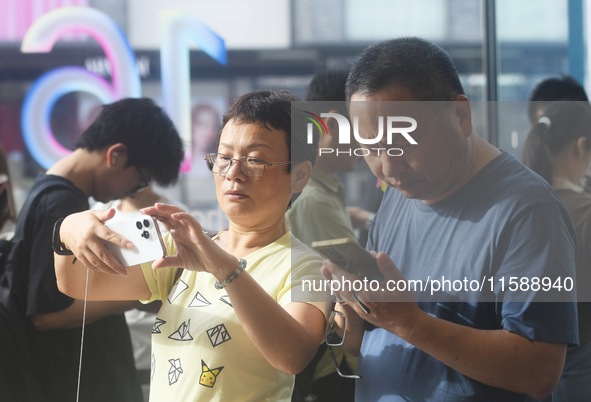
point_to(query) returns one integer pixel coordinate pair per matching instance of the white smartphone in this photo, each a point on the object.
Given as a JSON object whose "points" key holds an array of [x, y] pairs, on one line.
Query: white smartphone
{"points": [[347, 253], [143, 231]]}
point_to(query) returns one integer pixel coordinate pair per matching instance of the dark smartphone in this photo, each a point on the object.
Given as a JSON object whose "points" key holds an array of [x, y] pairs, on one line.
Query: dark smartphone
{"points": [[347, 253]]}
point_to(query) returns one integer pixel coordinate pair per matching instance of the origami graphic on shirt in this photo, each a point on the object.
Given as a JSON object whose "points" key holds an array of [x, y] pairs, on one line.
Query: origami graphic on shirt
{"points": [[208, 376], [156, 326], [218, 335], [175, 371], [176, 291], [226, 299], [182, 333], [199, 301]]}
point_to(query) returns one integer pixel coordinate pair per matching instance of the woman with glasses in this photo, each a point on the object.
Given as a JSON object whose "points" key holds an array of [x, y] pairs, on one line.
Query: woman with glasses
{"points": [[236, 322]]}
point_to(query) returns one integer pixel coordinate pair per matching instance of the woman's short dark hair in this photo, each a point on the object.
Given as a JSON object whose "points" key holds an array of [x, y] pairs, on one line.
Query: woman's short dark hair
{"points": [[278, 109]]}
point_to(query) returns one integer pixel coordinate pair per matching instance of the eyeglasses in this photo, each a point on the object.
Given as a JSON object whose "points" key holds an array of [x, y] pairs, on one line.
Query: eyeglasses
{"points": [[249, 165], [144, 182], [334, 340]]}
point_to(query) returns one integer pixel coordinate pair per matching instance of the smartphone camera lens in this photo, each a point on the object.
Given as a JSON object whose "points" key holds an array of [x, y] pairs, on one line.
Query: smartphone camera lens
{"points": [[138, 225], [145, 234], [146, 223]]}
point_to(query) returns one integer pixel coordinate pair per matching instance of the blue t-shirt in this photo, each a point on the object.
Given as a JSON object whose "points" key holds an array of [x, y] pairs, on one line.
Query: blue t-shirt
{"points": [[506, 222]]}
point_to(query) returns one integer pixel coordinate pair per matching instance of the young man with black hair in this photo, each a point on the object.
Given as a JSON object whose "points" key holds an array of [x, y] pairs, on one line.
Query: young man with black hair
{"points": [[131, 143]]}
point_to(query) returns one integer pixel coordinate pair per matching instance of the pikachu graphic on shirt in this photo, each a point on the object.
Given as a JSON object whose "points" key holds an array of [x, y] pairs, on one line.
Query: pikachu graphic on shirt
{"points": [[208, 376]]}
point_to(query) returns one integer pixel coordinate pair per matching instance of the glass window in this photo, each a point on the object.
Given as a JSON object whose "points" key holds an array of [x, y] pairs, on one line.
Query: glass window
{"points": [[527, 54]]}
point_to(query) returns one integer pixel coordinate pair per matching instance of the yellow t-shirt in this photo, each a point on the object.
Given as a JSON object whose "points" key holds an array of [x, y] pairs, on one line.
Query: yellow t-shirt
{"points": [[200, 351]]}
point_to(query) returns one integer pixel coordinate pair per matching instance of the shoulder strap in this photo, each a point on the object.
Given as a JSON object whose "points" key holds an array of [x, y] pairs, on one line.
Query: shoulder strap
{"points": [[15, 252], [32, 200]]}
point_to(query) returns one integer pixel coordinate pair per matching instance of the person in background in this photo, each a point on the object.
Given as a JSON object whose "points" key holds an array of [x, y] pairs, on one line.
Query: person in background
{"points": [[17, 382], [320, 214], [455, 207], [558, 148], [7, 205], [129, 144], [236, 322], [550, 90], [562, 88]]}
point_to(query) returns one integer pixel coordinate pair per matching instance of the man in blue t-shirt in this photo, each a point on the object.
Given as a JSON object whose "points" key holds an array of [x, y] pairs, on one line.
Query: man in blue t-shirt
{"points": [[470, 243]]}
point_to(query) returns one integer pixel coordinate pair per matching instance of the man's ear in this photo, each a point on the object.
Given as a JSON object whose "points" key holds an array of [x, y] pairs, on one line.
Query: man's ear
{"points": [[463, 112], [116, 154], [581, 147], [300, 174], [331, 137], [326, 140]]}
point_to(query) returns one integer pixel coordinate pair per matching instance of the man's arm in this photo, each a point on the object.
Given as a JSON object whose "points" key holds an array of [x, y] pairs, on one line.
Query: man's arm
{"points": [[494, 357]]}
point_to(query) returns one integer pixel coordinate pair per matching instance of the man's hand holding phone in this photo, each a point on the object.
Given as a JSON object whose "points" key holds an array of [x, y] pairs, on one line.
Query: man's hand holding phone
{"points": [[347, 253], [382, 306]]}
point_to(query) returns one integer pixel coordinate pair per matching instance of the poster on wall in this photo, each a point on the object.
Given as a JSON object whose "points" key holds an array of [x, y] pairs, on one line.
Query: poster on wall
{"points": [[206, 120]]}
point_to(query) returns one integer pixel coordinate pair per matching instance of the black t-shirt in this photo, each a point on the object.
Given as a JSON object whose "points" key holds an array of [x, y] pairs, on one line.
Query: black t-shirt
{"points": [[108, 369]]}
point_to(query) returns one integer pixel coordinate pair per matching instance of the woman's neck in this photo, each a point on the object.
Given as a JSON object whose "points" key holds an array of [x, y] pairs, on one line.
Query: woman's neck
{"points": [[242, 241]]}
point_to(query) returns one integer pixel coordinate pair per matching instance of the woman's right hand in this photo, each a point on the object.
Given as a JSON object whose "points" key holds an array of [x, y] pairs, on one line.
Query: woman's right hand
{"points": [[196, 251]]}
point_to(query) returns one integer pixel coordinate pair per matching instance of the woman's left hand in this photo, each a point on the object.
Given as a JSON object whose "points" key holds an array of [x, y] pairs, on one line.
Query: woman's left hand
{"points": [[195, 250]]}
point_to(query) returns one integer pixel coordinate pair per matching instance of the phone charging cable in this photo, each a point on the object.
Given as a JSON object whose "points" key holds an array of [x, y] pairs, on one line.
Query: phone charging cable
{"points": [[82, 336]]}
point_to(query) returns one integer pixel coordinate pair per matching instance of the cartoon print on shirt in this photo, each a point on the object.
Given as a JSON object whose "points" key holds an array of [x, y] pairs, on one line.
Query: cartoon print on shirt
{"points": [[209, 376], [199, 301], [156, 326], [182, 333], [226, 299], [175, 371], [176, 291], [218, 335]]}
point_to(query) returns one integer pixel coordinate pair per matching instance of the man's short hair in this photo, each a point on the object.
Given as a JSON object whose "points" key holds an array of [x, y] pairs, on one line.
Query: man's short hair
{"points": [[329, 86], [273, 109], [562, 88], [421, 66], [152, 141]]}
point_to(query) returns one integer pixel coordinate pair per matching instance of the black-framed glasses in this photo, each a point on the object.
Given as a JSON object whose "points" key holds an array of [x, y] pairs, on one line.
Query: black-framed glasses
{"points": [[249, 165], [333, 339], [144, 182]]}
